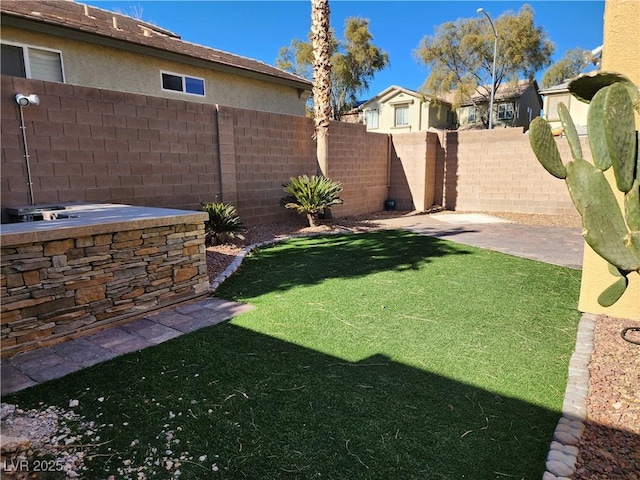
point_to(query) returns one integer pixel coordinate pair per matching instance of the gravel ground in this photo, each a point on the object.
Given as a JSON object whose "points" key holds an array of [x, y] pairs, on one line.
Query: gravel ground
{"points": [[610, 445]]}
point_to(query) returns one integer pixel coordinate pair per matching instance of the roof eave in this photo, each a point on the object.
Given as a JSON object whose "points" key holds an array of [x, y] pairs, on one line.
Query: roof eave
{"points": [[102, 40]]}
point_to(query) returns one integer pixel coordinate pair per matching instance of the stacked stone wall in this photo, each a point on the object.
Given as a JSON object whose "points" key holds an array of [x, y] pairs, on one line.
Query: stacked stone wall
{"points": [[52, 290]]}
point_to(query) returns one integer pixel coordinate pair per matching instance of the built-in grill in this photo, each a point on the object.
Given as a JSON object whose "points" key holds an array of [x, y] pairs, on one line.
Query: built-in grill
{"points": [[34, 213]]}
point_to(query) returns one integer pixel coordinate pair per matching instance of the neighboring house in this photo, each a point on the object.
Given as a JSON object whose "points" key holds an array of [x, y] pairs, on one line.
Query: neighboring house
{"points": [[355, 115], [65, 41], [560, 93], [397, 109], [515, 105]]}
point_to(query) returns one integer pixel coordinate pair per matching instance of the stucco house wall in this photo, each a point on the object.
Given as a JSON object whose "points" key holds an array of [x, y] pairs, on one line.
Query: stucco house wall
{"points": [[621, 53], [121, 55], [92, 65], [528, 107], [424, 112], [560, 93]]}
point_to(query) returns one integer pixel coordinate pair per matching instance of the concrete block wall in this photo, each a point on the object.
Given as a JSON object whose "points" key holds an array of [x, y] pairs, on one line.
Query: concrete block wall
{"points": [[94, 145], [496, 171], [359, 160], [265, 150], [413, 167], [98, 145]]}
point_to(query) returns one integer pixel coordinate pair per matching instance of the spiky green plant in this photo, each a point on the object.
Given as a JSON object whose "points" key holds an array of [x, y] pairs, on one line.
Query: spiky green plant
{"points": [[224, 223], [612, 232], [311, 195]]}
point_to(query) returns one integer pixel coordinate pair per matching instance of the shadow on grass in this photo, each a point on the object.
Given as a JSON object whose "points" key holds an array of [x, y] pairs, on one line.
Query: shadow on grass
{"points": [[259, 407], [309, 261]]}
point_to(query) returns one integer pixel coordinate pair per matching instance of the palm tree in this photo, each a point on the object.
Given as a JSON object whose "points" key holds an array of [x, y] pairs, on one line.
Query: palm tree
{"points": [[321, 43]]}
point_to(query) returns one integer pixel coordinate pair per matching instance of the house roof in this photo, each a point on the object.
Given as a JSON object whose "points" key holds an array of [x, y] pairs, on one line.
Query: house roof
{"points": [[127, 31], [394, 89], [505, 91], [560, 88]]}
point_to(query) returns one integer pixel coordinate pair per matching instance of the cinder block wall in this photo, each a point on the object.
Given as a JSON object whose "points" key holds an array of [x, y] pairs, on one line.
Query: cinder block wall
{"points": [[358, 160], [265, 151], [413, 167], [496, 171], [94, 145]]}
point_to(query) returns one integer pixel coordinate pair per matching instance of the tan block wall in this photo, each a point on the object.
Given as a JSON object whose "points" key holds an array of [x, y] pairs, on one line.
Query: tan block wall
{"points": [[358, 160], [413, 170], [55, 290], [265, 150], [97, 145], [94, 145], [496, 171]]}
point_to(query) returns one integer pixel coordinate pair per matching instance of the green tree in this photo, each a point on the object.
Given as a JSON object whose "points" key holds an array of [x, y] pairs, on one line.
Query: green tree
{"points": [[460, 54], [571, 65], [355, 61]]}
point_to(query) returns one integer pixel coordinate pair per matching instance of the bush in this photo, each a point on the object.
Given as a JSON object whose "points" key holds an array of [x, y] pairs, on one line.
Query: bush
{"points": [[311, 196], [224, 223]]}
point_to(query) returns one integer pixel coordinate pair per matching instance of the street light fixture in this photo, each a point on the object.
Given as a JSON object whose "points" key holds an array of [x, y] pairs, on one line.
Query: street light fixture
{"points": [[493, 69]]}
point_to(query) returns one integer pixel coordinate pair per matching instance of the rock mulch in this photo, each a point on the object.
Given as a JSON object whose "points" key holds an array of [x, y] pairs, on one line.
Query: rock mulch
{"points": [[38, 443], [610, 445]]}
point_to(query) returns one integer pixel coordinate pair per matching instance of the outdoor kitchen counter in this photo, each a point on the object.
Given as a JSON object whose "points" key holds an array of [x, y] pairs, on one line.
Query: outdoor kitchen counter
{"points": [[92, 219]]}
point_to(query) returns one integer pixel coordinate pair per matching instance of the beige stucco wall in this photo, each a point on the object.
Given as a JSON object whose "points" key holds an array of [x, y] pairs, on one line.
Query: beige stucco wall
{"points": [[422, 115], [577, 109], [621, 53], [109, 68], [438, 115]]}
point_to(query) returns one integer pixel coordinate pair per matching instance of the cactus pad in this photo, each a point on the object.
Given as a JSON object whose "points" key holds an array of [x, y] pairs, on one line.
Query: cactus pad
{"points": [[545, 148]]}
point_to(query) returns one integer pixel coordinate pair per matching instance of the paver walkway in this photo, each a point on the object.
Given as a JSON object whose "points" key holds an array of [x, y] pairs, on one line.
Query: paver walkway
{"points": [[562, 246], [559, 246], [29, 368]]}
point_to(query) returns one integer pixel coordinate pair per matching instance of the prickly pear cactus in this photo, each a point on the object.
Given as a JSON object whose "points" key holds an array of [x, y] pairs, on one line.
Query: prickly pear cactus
{"points": [[612, 232]]}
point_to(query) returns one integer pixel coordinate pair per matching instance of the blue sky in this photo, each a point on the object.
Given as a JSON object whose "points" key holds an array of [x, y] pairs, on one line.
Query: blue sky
{"points": [[258, 29]]}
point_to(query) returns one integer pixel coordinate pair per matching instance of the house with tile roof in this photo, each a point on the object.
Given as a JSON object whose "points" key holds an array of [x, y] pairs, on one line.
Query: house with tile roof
{"points": [[400, 110], [515, 105], [69, 42]]}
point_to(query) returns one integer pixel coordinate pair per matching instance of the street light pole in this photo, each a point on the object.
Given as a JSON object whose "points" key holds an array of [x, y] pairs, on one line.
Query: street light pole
{"points": [[493, 69]]}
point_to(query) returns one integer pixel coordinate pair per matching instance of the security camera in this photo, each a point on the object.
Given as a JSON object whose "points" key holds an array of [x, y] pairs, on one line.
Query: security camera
{"points": [[25, 101]]}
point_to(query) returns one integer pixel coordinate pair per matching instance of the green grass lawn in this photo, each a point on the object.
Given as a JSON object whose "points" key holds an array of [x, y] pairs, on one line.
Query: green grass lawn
{"points": [[384, 355]]}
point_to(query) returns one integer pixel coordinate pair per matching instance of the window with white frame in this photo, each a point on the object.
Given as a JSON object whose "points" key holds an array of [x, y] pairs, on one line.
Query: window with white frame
{"points": [[401, 116], [371, 118], [32, 62], [182, 83], [505, 111], [471, 118]]}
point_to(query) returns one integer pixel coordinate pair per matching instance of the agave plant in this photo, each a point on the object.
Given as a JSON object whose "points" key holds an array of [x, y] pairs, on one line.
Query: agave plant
{"points": [[311, 195], [224, 223]]}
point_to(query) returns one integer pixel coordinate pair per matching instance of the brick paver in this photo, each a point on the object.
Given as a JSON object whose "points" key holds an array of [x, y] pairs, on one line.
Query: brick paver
{"points": [[30, 368]]}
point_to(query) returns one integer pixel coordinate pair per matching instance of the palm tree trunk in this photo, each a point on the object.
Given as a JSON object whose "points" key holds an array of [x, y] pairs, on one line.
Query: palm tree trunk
{"points": [[320, 40]]}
